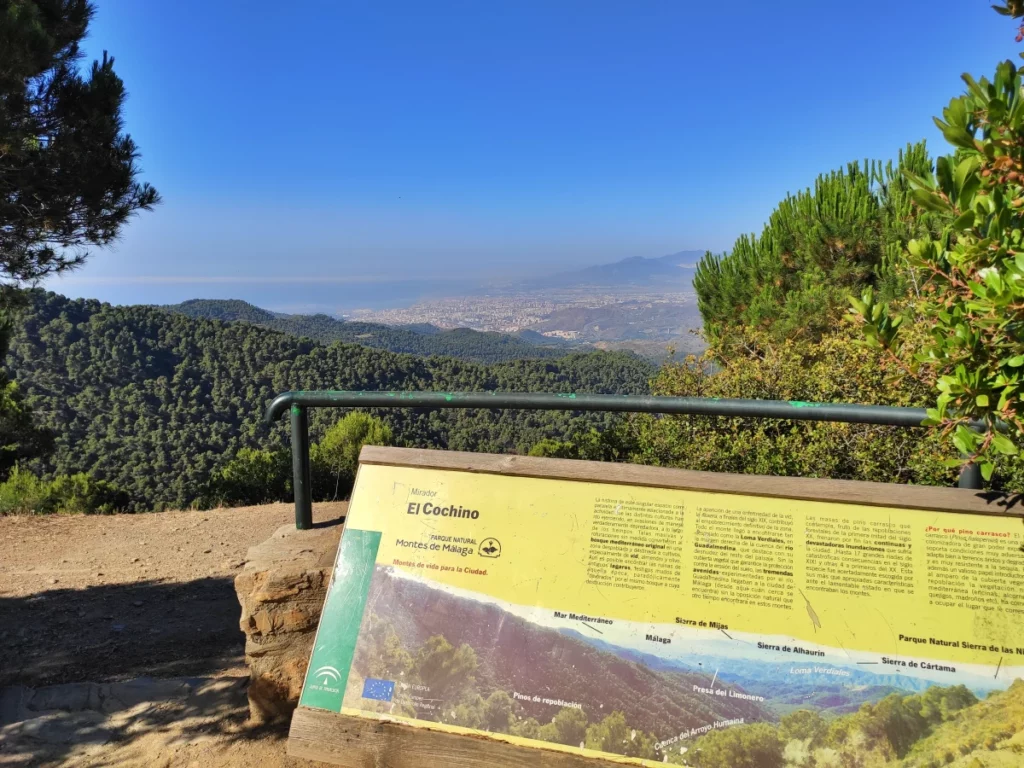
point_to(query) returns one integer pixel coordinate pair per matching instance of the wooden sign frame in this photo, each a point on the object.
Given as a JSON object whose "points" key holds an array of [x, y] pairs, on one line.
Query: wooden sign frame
{"points": [[362, 742]]}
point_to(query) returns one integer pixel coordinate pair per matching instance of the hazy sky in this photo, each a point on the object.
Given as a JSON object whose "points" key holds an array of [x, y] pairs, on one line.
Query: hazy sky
{"points": [[381, 140]]}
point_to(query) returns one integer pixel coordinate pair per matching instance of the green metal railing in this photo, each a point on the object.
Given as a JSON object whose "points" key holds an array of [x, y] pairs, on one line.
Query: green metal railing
{"points": [[298, 403]]}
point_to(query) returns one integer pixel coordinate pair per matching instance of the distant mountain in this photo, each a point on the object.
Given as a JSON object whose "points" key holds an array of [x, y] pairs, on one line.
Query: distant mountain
{"points": [[668, 271], [825, 693], [421, 339]]}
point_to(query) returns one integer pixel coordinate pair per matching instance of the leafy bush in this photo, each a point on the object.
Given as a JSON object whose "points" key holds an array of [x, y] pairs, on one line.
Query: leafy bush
{"points": [[253, 477], [334, 459], [85, 495], [24, 493], [971, 291], [835, 369]]}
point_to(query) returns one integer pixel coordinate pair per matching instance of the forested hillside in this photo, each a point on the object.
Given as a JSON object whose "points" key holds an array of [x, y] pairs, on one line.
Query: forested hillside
{"points": [[776, 312], [155, 402], [463, 343]]}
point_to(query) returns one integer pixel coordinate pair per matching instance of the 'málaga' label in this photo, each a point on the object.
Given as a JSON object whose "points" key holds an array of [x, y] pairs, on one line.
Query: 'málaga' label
{"points": [[427, 508]]}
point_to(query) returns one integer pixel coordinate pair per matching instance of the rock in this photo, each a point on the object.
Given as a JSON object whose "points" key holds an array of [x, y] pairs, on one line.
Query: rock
{"points": [[81, 729], [55, 581], [67, 697], [281, 591]]}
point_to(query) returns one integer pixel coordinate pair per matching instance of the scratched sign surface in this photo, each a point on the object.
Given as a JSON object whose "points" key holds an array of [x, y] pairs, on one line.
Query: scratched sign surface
{"points": [[634, 622]]}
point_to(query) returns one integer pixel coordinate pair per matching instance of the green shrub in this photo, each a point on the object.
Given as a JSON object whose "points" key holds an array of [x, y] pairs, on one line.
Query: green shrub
{"points": [[23, 493], [834, 369], [334, 459], [253, 477], [82, 494]]}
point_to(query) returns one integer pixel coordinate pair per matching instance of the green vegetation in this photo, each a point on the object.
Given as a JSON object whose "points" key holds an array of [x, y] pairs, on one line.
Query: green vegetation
{"points": [[937, 259], [161, 405], [255, 476], [970, 297], [818, 247], [334, 459], [989, 734], [166, 406], [835, 369], [24, 493], [20, 437], [69, 181], [463, 343], [69, 172], [926, 730]]}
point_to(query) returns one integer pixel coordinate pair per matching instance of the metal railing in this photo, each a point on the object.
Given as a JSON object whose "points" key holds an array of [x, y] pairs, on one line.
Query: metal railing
{"points": [[298, 403]]}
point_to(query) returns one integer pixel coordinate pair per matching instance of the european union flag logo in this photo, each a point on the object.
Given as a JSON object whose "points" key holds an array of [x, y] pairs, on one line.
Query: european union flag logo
{"points": [[381, 690]]}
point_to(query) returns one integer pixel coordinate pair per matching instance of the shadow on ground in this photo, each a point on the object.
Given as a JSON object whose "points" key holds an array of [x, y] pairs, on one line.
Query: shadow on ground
{"points": [[120, 631], [140, 722]]}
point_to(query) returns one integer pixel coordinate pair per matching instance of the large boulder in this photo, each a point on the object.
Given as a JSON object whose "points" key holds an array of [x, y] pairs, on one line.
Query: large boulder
{"points": [[282, 590]]}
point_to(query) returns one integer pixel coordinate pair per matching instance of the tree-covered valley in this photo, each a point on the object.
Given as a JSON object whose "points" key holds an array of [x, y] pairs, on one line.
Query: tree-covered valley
{"points": [[155, 403]]}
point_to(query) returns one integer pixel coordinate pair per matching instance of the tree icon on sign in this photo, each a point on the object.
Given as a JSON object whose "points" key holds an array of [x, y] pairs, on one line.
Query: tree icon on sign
{"points": [[490, 548]]}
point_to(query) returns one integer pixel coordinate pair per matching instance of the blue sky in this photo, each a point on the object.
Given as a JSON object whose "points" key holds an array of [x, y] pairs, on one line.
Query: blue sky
{"points": [[368, 141]]}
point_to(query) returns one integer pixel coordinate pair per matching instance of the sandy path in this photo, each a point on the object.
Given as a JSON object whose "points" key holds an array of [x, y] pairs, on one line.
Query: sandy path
{"points": [[122, 597]]}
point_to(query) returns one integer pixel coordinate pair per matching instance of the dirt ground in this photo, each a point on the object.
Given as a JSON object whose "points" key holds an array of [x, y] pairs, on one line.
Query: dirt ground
{"points": [[144, 602]]}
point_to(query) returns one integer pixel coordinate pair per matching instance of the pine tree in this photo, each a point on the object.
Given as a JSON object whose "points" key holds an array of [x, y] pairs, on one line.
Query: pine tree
{"points": [[817, 247], [68, 172]]}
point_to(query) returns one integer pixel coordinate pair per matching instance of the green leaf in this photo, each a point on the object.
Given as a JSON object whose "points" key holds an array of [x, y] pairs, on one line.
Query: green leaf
{"points": [[964, 221], [930, 201], [982, 400], [965, 439], [987, 468], [1003, 444], [973, 86], [1016, 362], [956, 134], [966, 167]]}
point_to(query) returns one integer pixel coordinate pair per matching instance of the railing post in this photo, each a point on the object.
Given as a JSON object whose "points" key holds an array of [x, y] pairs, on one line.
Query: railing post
{"points": [[300, 468], [970, 477]]}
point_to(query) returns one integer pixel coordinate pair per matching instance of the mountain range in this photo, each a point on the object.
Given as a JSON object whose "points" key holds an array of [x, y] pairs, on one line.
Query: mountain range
{"points": [[672, 272], [419, 339]]}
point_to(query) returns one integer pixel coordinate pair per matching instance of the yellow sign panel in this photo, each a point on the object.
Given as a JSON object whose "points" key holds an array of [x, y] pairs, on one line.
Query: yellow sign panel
{"points": [[640, 623]]}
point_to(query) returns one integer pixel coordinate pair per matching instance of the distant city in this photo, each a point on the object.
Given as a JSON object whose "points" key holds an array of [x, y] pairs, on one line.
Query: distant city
{"points": [[641, 304]]}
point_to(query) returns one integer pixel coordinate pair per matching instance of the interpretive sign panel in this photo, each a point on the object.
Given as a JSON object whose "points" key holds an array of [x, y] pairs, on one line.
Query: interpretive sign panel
{"points": [[649, 616]]}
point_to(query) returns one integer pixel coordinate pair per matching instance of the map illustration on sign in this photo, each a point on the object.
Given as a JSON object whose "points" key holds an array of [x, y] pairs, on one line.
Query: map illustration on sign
{"points": [[662, 626]]}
